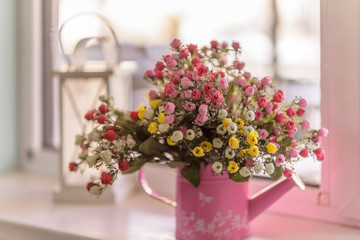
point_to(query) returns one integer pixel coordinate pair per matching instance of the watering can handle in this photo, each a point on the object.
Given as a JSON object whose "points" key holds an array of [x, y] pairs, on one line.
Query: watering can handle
{"points": [[147, 189]]}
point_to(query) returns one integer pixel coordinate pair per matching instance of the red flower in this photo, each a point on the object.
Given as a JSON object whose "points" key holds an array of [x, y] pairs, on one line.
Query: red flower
{"points": [[214, 44], [278, 96], [184, 53], [300, 112], [159, 74], [103, 108], [192, 48], [202, 70], [196, 62], [134, 115], [320, 154], [290, 112], [89, 185], [258, 115], [90, 115], [72, 166], [262, 102], [280, 118], [106, 178], [287, 173], [159, 66], [304, 153], [123, 165], [101, 119], [290, 125], [110, 135]]}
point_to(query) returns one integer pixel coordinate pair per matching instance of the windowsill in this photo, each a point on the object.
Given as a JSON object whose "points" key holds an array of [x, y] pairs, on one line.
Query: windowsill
{"points": [[27, 211]]}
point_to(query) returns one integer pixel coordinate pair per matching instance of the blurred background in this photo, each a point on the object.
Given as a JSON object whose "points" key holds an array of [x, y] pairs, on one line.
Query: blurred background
{"points": [[279, 38]]}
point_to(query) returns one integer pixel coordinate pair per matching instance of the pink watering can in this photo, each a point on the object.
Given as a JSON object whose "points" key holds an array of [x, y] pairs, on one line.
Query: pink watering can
{"points": [[219, 208]]}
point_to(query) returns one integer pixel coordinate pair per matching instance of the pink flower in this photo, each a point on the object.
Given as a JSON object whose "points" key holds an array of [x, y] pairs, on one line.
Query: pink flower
{"points": [[159, 66], [175, 79], [247, 75], [263, 133], [202, 70], [159, 74], [222, 74], [196, 62], [241, 82], [224, 45], [290, 125], [261, 102], [300, 112], [192, 48], [293, 153], [304, 153], [280, 118], [195, 75], [278, 96], [276, 131], [169, 107], [201, 118], [223, 84], [153, 94], [323, 132], [236, 45], [208, 88], [170, 119], [249, 162], [169, 89], [186, 83], [290, 112], [287, 173], [170, 62], [305, 124], [189, 106], [249, 91], [273, 139], [268, 108], [175, 43], [149, 73], [279, 159], [320, 154], [184, 53], [217, 99], [196, 94], [239, 65], [180, 72], [183, 129], [266, 81], [303, 103], [214, 43], [275, 105], [258, 115], [187, 94], [203, 108]]}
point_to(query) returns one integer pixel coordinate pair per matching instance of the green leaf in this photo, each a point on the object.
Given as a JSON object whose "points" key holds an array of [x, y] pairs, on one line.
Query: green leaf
{"points": [[238, 178], [192, 174], [119, 114], [175, 164], [152, 147], [278, 172], [286, 142]]}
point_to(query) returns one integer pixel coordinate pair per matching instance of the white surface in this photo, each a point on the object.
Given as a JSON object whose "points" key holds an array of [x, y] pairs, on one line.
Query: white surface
{"points": [[26, 209]]}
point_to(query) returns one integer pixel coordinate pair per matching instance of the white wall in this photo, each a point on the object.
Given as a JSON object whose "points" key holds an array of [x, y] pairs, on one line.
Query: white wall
{"points": [[8, 104]]}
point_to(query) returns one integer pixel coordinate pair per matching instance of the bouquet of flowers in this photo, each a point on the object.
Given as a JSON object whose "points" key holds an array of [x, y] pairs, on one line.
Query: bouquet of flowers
{"points": [[204, 110]]}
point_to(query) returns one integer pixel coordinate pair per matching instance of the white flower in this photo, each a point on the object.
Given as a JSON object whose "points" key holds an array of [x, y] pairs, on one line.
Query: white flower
{"points": [[222, 114], [190, 134], [91, 160], [149, 113], [198, 132], [163, 127], [220, 129], [232, 128], [217, 167], [269, 168], [106, 156], [248, 130], [120, 144], [245, 172], [258, 168], [250, 115], [269, 91], [229, 153], [177, 136], [94, 136], [161, 109], [217, 143], [95, 190], [130, 142]]}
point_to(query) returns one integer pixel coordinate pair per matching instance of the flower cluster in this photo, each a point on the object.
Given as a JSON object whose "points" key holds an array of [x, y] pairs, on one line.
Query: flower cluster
{"points": [[204, 109]]}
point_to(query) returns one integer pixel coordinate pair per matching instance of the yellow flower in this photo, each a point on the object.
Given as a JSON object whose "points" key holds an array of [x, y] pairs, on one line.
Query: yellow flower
{"points": [[169, 142], [141, 111], [226, 122], [154, 103], [243, 152], [255, 134], [153, 127], [252, 140], [253, 151], [239, 122], [234, 143], [271, 148], [147, 97], [206, 146], [232, 167], [198, 152], [161, 118]]}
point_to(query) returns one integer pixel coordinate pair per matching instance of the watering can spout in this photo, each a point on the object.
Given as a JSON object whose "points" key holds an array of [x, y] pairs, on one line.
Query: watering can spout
{"points": [[270, 194]]}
